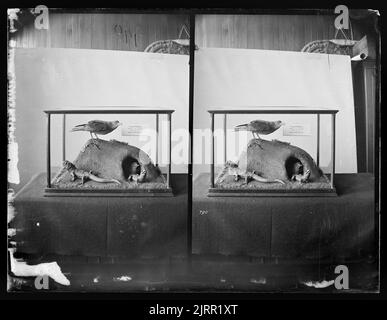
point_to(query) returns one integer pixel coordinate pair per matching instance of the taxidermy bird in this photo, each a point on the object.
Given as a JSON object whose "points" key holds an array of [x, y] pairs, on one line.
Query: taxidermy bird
{"points": [[98, 127], [258, 127]]}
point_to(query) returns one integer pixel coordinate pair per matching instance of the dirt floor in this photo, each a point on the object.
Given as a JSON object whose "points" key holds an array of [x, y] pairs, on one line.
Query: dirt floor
{"points": [[204, 274]]}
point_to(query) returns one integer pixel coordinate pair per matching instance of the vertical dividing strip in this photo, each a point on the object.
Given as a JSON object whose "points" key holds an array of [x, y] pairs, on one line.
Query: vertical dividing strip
{"points": [[64, 137], [318, 140], [157, 139], [333, 144], [48, 150], [212, 150], [190, 127], [169, 148], [225, 137]]}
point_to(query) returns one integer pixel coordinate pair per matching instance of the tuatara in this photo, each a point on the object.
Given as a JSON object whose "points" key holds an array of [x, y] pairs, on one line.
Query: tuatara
{"points": [[134, 176], [84, 175], [231, 168], [303, 178]]}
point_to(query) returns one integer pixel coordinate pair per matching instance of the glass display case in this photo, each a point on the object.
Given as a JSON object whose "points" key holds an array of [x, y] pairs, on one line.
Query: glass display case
{"points": [[108, 167], [272, 167]]}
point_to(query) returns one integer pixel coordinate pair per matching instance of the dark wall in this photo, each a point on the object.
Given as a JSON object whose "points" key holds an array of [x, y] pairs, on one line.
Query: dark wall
{"points": [[109, 31], [134, 32], [269, 32]]}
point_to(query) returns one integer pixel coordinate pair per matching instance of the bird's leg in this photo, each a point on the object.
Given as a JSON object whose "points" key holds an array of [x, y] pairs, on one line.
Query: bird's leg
{"points": [[257, 138], [92, 141], [253, 141]]}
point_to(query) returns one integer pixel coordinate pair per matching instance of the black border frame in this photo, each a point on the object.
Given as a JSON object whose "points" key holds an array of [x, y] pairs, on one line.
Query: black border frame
{"points": [[205, 7]]}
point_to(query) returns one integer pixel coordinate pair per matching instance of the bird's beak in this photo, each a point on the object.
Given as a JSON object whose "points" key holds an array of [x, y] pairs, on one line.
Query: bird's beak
{"points": [[283, 124], [120, 123]]}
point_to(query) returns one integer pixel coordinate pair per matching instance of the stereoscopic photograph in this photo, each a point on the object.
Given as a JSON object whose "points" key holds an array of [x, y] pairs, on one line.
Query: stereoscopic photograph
{"points": [[193, 151]]}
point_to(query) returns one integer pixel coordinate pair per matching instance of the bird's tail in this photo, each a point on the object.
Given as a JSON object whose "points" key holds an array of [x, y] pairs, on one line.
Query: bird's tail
{"points": [[80, 127], [241, 127]]}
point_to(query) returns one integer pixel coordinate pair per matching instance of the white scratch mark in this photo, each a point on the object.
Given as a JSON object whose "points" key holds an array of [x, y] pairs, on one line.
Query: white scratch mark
{"points": [[21, 269], [122, 278], [13, 156], [10, 208], [11, 232], [12, 16], [13, 243], [319, 284], [375, 12], [259, 281], [13, 172]]}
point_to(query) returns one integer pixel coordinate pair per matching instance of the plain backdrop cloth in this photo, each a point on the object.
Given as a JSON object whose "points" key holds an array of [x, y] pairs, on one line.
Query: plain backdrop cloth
{"points": [[237, 78]]}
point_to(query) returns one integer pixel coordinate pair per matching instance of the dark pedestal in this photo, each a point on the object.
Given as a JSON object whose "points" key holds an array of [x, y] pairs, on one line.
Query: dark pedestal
{"points": [[275, 227], [101, 226]]}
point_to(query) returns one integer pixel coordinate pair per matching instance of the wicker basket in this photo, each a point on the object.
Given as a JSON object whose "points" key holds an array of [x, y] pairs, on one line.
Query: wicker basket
{"points": [[330, 46], [169, 46]]}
